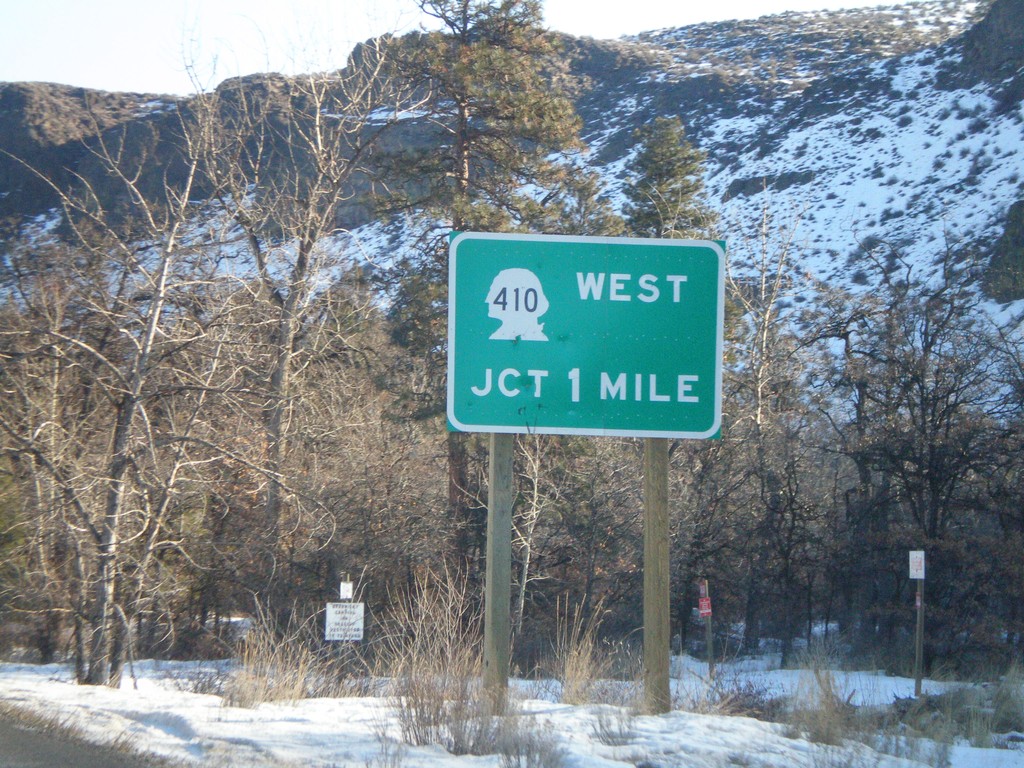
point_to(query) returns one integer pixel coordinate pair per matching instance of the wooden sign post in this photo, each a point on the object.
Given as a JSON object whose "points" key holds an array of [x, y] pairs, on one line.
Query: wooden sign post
{"points": [[917, 573], [657, 696], [556, 335], [704, 609], [498, 575]]}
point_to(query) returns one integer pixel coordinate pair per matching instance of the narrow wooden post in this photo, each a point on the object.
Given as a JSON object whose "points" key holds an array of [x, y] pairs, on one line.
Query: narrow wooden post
{"points": [[657, 696], [498, 575], [917, 569], [709, 640], [919, 639], [704, 606]]}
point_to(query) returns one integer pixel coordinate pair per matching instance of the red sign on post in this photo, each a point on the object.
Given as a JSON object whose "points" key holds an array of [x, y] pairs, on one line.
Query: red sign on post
{"points": [[704, 607]]}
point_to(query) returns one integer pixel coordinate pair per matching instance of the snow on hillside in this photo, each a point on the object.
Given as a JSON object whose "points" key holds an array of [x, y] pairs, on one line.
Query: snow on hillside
{"points": [[849, 126], [800, 47], [913, 170], [156, 713]]}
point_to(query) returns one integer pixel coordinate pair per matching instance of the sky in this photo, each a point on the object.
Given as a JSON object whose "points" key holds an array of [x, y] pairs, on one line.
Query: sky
{"points": [[181, 46]]}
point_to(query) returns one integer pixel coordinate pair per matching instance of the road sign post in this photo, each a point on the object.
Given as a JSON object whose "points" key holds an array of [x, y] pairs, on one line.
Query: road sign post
{"points": [[704, 610], [657, 694], [585, 336], [917, 574], [498, 568]]}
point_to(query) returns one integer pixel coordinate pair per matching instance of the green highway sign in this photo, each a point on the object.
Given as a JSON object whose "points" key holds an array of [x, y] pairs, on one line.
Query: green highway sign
{"points": [[585, 335]]}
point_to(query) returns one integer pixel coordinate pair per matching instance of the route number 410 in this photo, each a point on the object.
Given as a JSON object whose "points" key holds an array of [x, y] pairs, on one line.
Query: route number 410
{"points": [[522, 299]]}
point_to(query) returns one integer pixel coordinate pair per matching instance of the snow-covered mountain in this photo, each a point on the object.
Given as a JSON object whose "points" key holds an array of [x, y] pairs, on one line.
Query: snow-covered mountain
{"points": [[903, 124]]}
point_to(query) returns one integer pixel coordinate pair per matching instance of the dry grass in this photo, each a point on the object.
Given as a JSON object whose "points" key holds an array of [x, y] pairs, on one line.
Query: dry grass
{"points": [[582, 666], [291, 663], [272, 666], [1008, 701], [820, 709], [979, 714], [391, 755], [429, 650], [39, 721]]}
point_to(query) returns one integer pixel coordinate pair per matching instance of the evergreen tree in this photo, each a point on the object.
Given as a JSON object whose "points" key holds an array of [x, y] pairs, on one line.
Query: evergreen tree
{"points": [[491, 116], [665, 196], [1004, 280], [582, 208], [493, 110]]}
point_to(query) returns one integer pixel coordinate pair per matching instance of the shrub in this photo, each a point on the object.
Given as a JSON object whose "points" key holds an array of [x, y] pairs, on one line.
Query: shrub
{"points": [[523, 743], [272, 666], [430, 651], [614, 726], [291, 663]]}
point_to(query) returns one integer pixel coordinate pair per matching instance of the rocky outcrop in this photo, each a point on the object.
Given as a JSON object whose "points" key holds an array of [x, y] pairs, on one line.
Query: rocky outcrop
{"points": [[45, 131], [994, 48], [1005, 279]]}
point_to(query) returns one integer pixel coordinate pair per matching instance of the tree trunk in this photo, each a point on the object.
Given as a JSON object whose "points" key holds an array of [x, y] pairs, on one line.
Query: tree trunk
{"points": [[107, 565], [752, 614]]}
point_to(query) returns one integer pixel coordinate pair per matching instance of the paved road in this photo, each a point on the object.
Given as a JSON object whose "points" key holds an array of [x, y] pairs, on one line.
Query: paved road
{"points": [[23, 748]]}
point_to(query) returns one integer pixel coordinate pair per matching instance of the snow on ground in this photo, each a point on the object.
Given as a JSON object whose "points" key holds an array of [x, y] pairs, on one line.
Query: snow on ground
{"points": [[157, 714]]}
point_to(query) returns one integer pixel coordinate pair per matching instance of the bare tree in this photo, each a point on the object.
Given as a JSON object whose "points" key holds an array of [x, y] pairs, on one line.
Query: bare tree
{"points": [[165, 330], [920, 415], [287, 155], [773, 420], [111, 321]]}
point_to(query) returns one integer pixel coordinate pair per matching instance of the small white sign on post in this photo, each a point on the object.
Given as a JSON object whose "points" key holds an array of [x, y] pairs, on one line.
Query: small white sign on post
{"points": [[917, 564], [345, 590], [344, 621]]}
